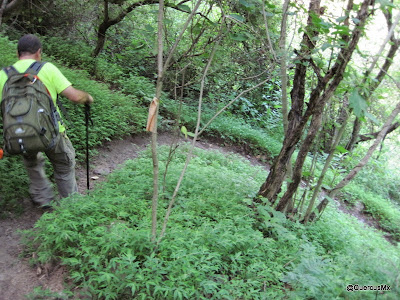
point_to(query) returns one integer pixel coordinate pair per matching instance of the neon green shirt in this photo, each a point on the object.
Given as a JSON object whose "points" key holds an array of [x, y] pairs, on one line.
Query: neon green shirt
{"points": [[49, 74]]}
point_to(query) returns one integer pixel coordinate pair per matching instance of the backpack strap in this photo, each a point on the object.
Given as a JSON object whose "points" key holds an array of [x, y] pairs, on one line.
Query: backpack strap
{"points": [[35, 67], [10, 70]]}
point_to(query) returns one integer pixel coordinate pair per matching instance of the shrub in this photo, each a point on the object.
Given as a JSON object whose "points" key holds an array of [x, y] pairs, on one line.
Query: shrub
{"points": [[213, 248]]}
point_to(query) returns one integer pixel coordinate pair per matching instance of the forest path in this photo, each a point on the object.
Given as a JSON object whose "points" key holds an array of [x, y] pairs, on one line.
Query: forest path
{"points": [[17, 277]]}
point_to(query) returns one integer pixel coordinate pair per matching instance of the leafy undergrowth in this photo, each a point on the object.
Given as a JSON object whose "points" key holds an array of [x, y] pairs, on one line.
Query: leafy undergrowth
{"points": [[230, 128], [381, 209], [213, 248]]}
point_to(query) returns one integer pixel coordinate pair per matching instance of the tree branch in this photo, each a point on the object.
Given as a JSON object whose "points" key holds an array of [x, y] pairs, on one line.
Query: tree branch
{"points": [[374, 135]]}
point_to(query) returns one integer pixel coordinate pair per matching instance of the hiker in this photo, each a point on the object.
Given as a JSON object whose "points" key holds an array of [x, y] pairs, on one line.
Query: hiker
{"points": [[62, 154]]}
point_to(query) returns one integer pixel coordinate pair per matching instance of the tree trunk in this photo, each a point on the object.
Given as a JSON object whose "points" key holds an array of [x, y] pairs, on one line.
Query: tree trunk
{"points": [[301, 157], [8, 6], [107, 22], [283, 75], [160, 73], [354, 135], [328, 161], [296, 123], [101, 32], [343, 116], [316, 103]]}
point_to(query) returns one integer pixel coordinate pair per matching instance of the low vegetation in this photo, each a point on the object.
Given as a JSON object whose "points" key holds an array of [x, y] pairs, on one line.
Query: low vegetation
{"points": [[214, 248]]}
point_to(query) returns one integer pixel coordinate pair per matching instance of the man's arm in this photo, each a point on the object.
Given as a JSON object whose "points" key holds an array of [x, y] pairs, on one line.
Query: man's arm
{"points": [[77, 96]]}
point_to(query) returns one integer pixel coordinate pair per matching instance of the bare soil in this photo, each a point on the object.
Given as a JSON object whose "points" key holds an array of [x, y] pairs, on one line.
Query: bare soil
{"points": [[17, 277]]}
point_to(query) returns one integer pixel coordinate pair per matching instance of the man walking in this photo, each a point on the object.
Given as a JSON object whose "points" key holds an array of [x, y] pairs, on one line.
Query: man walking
{"points": [[62, 155]]}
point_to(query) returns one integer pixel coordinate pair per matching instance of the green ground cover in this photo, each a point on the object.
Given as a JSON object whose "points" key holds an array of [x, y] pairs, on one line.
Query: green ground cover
{"points": [[213, 248]]}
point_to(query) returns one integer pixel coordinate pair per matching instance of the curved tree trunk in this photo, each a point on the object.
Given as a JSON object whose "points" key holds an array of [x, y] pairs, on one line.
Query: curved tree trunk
{"points": [[107, 22], [101, 32]]}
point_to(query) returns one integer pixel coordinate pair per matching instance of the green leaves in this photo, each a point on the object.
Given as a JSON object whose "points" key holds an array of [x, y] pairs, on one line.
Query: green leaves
{"points": [[360, 107], [237, 17], [341, 149], [210, 248], [246, 4], [241, 36], [358, 104], [320, 24], [186, 132], [184, 7]]}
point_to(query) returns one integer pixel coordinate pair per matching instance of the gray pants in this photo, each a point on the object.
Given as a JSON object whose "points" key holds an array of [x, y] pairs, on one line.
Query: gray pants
{"points": [[62, 157]]}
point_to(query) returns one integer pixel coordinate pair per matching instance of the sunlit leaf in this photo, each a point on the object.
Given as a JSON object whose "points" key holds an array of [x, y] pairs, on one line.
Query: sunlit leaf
{"points": [[269, 14], [341, 149], [342, 30], [325, 46], [270, 5], [385, 3], [139, 47], [184, 131], [329, 199]]}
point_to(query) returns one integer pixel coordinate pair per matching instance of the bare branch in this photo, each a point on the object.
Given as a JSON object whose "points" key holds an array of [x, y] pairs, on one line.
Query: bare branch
{"points": [[374, 135]]}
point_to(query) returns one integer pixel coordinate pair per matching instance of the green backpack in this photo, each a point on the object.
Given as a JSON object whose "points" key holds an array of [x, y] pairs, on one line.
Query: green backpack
{"points": [[30, 118]]}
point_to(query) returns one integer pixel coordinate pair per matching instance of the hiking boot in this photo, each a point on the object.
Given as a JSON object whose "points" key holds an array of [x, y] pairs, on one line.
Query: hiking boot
{"points": [[47, 206]]}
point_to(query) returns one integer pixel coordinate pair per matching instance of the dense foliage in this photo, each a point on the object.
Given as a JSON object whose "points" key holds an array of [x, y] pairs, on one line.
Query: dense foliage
{"points": [[219, 243], [214, 248]]}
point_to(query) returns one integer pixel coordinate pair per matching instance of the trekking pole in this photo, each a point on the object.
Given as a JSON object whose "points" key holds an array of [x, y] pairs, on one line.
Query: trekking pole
{"points": [[87, 118]]}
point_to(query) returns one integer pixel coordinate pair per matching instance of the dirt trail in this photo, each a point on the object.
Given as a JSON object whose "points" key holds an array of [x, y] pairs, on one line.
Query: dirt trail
{"points": [[17, 277]]}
